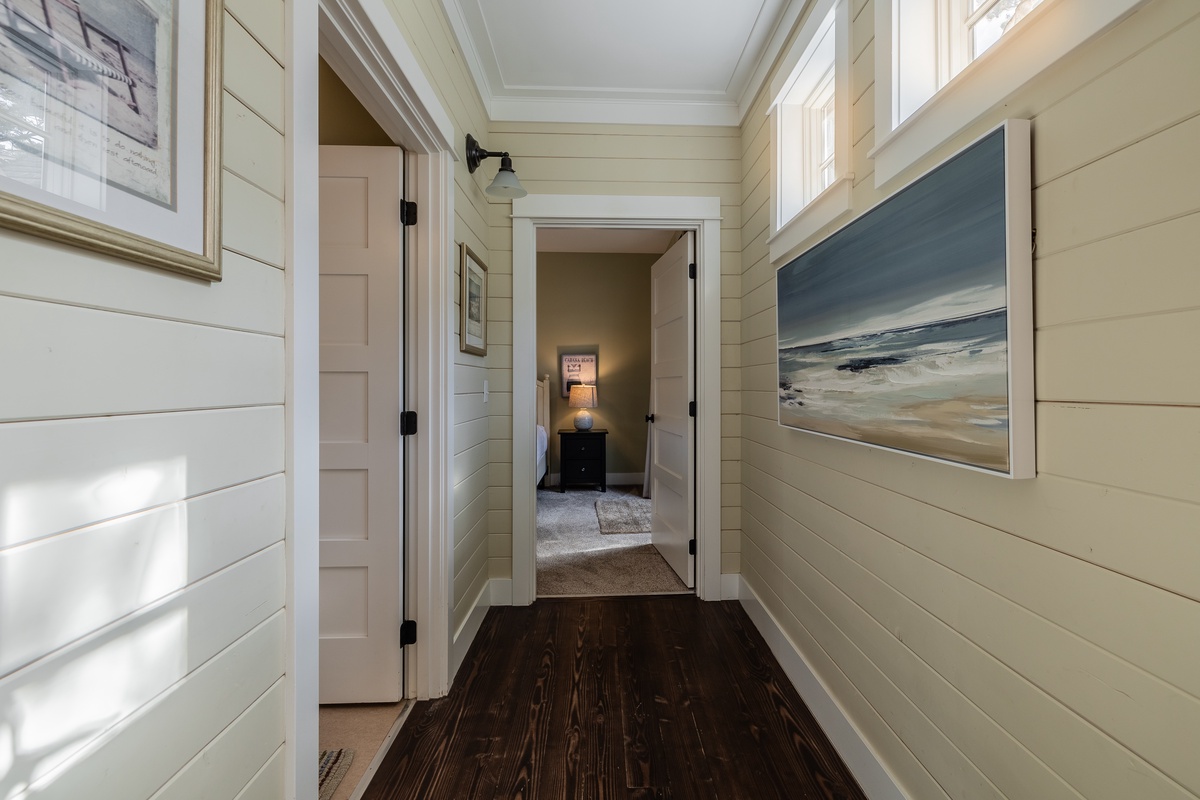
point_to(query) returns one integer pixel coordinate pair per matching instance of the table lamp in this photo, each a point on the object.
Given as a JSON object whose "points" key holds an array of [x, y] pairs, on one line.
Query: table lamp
{"points": [[583, 397]]}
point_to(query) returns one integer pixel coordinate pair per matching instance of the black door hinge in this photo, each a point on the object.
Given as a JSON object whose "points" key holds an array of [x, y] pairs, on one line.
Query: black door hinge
{"points": [[408, 632], [692, 547], [408, 423], [692, 408], [408, 213], [692, 271]]}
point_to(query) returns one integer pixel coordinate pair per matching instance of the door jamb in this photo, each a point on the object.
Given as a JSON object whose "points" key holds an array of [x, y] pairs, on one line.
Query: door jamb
{"points": [[699, 214]]}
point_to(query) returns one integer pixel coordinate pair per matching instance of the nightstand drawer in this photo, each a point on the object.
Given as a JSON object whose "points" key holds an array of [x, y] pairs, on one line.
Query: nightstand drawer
{"points": [[576, 471], [581, 447]]}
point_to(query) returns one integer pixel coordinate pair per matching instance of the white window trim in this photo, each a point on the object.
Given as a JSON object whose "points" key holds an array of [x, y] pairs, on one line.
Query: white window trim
{"points": [[785, 237], [1049, 33]]}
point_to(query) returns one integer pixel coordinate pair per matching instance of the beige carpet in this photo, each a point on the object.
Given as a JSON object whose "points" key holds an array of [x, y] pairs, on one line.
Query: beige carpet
{"points": [[574, 558], [361, 728]]}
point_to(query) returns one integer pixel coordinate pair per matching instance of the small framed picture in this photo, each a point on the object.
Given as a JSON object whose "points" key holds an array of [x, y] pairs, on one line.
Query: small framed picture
{"points": [[472, 302], [576, 368]]}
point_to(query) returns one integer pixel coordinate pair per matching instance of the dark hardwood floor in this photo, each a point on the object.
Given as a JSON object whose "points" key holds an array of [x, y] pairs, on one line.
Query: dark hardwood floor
{"points": [[625, 697]]}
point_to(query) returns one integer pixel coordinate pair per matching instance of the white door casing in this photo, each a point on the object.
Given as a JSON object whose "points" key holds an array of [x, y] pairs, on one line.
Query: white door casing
{"points": [[362, 42], [699, 214], [361, 486], [672, 349]]}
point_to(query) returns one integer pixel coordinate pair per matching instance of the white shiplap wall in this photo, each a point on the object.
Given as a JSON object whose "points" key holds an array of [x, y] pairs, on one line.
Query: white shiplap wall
{"points": [[1033, 639], [141, 492]]}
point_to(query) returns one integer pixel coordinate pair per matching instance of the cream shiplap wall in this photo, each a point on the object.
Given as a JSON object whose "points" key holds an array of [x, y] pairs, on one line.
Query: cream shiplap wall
{"points": [[1033, 639], [142, 491], [617, 160]]}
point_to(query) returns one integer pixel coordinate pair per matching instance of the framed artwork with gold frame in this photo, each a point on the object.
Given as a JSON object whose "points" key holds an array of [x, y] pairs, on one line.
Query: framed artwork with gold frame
{"points": [[110, 127]]}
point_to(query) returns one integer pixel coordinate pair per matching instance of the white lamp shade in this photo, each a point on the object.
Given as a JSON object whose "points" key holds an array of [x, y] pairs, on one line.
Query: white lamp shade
{"points": [[506, 185]]}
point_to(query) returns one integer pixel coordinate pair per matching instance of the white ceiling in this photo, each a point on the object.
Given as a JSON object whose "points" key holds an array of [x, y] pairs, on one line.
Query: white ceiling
{"points": [[689, 62]]}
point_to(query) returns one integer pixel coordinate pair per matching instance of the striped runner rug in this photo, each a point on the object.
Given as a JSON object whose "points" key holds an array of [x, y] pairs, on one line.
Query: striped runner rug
{"points": [[334, 764]]}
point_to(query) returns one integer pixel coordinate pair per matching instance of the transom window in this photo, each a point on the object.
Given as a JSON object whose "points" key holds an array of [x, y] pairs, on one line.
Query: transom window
{"points": [[988, 20], [935, 40], [940, 65], [807, 125], [810, 119]]}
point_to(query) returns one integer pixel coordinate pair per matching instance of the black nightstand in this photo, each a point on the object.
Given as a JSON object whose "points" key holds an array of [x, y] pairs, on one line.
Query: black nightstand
{"points": [[582, 457]]}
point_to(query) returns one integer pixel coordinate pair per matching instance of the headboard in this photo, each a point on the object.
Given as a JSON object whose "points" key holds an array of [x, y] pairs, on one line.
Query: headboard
{"points": [[543, 402]]}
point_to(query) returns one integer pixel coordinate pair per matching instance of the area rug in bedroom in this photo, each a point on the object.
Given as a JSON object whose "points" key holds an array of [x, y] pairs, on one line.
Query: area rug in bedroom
{"points": [[624, 514], [574, 558]]}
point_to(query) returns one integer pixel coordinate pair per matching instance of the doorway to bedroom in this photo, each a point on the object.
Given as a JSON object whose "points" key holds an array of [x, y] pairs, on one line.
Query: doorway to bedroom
{"points": [[595, 318]]}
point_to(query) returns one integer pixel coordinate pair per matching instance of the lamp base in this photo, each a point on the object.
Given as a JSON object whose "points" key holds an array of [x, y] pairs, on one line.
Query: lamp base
{"points": [[583, 420]]}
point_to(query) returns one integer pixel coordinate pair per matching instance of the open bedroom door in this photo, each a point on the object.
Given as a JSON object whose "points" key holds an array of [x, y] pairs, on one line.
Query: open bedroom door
{"points": [[672, 465]]}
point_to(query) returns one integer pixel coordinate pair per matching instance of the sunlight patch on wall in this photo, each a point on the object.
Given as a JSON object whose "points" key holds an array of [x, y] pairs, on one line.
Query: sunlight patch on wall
{"points": [[56, 590], [37, 508], [54, 714]]}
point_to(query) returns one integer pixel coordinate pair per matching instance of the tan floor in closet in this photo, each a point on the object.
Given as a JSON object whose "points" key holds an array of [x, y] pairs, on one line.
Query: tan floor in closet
{"points": [[361, 728]]}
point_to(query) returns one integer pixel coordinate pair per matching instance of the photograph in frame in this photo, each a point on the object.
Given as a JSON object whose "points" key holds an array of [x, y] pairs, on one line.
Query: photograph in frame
{"points": [[109, 127], [472, 301], [911, 327]]}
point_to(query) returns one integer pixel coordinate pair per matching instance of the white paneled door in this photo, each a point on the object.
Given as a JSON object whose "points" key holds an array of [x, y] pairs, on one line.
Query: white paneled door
{"points": [[672, 484], [361, 455]]}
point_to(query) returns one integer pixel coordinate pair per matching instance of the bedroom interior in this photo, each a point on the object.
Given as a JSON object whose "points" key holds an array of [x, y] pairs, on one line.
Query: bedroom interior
{"points": [[575, 556]]}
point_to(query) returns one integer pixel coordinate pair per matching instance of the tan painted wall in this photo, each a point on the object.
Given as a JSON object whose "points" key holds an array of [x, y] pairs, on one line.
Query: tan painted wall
{"points": [[142, 494], [1033, 639], [343, 120], [596, 302]]}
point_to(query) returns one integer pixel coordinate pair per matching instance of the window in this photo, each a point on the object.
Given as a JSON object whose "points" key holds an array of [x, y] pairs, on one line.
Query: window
{"points": [[810, 117], [935, 40], [988, 20], [942, 64]]}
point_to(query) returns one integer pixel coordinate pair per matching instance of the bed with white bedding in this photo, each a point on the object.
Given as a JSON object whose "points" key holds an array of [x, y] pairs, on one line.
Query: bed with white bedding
{"points": [[542, 447]]}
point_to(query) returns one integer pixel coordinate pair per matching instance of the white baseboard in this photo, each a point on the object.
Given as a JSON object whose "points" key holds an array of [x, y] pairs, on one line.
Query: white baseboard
{"points": [[501, 591], [496, 592], [866, 767], [611, 478], [731, 584]]}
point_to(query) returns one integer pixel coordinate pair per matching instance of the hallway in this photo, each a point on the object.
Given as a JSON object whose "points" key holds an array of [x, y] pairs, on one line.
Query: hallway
{"points": [[638, 697]]}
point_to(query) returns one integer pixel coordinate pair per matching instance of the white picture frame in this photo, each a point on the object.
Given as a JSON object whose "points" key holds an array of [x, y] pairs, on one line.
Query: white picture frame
{"points": [[911, 327]]}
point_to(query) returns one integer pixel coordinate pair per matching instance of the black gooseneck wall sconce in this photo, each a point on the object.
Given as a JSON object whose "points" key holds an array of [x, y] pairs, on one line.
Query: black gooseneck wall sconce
{"points": [[505, 183]]}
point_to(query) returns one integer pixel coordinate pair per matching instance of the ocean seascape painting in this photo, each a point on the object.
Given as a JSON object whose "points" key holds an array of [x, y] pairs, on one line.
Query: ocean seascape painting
{"points": [[896, 330]]}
